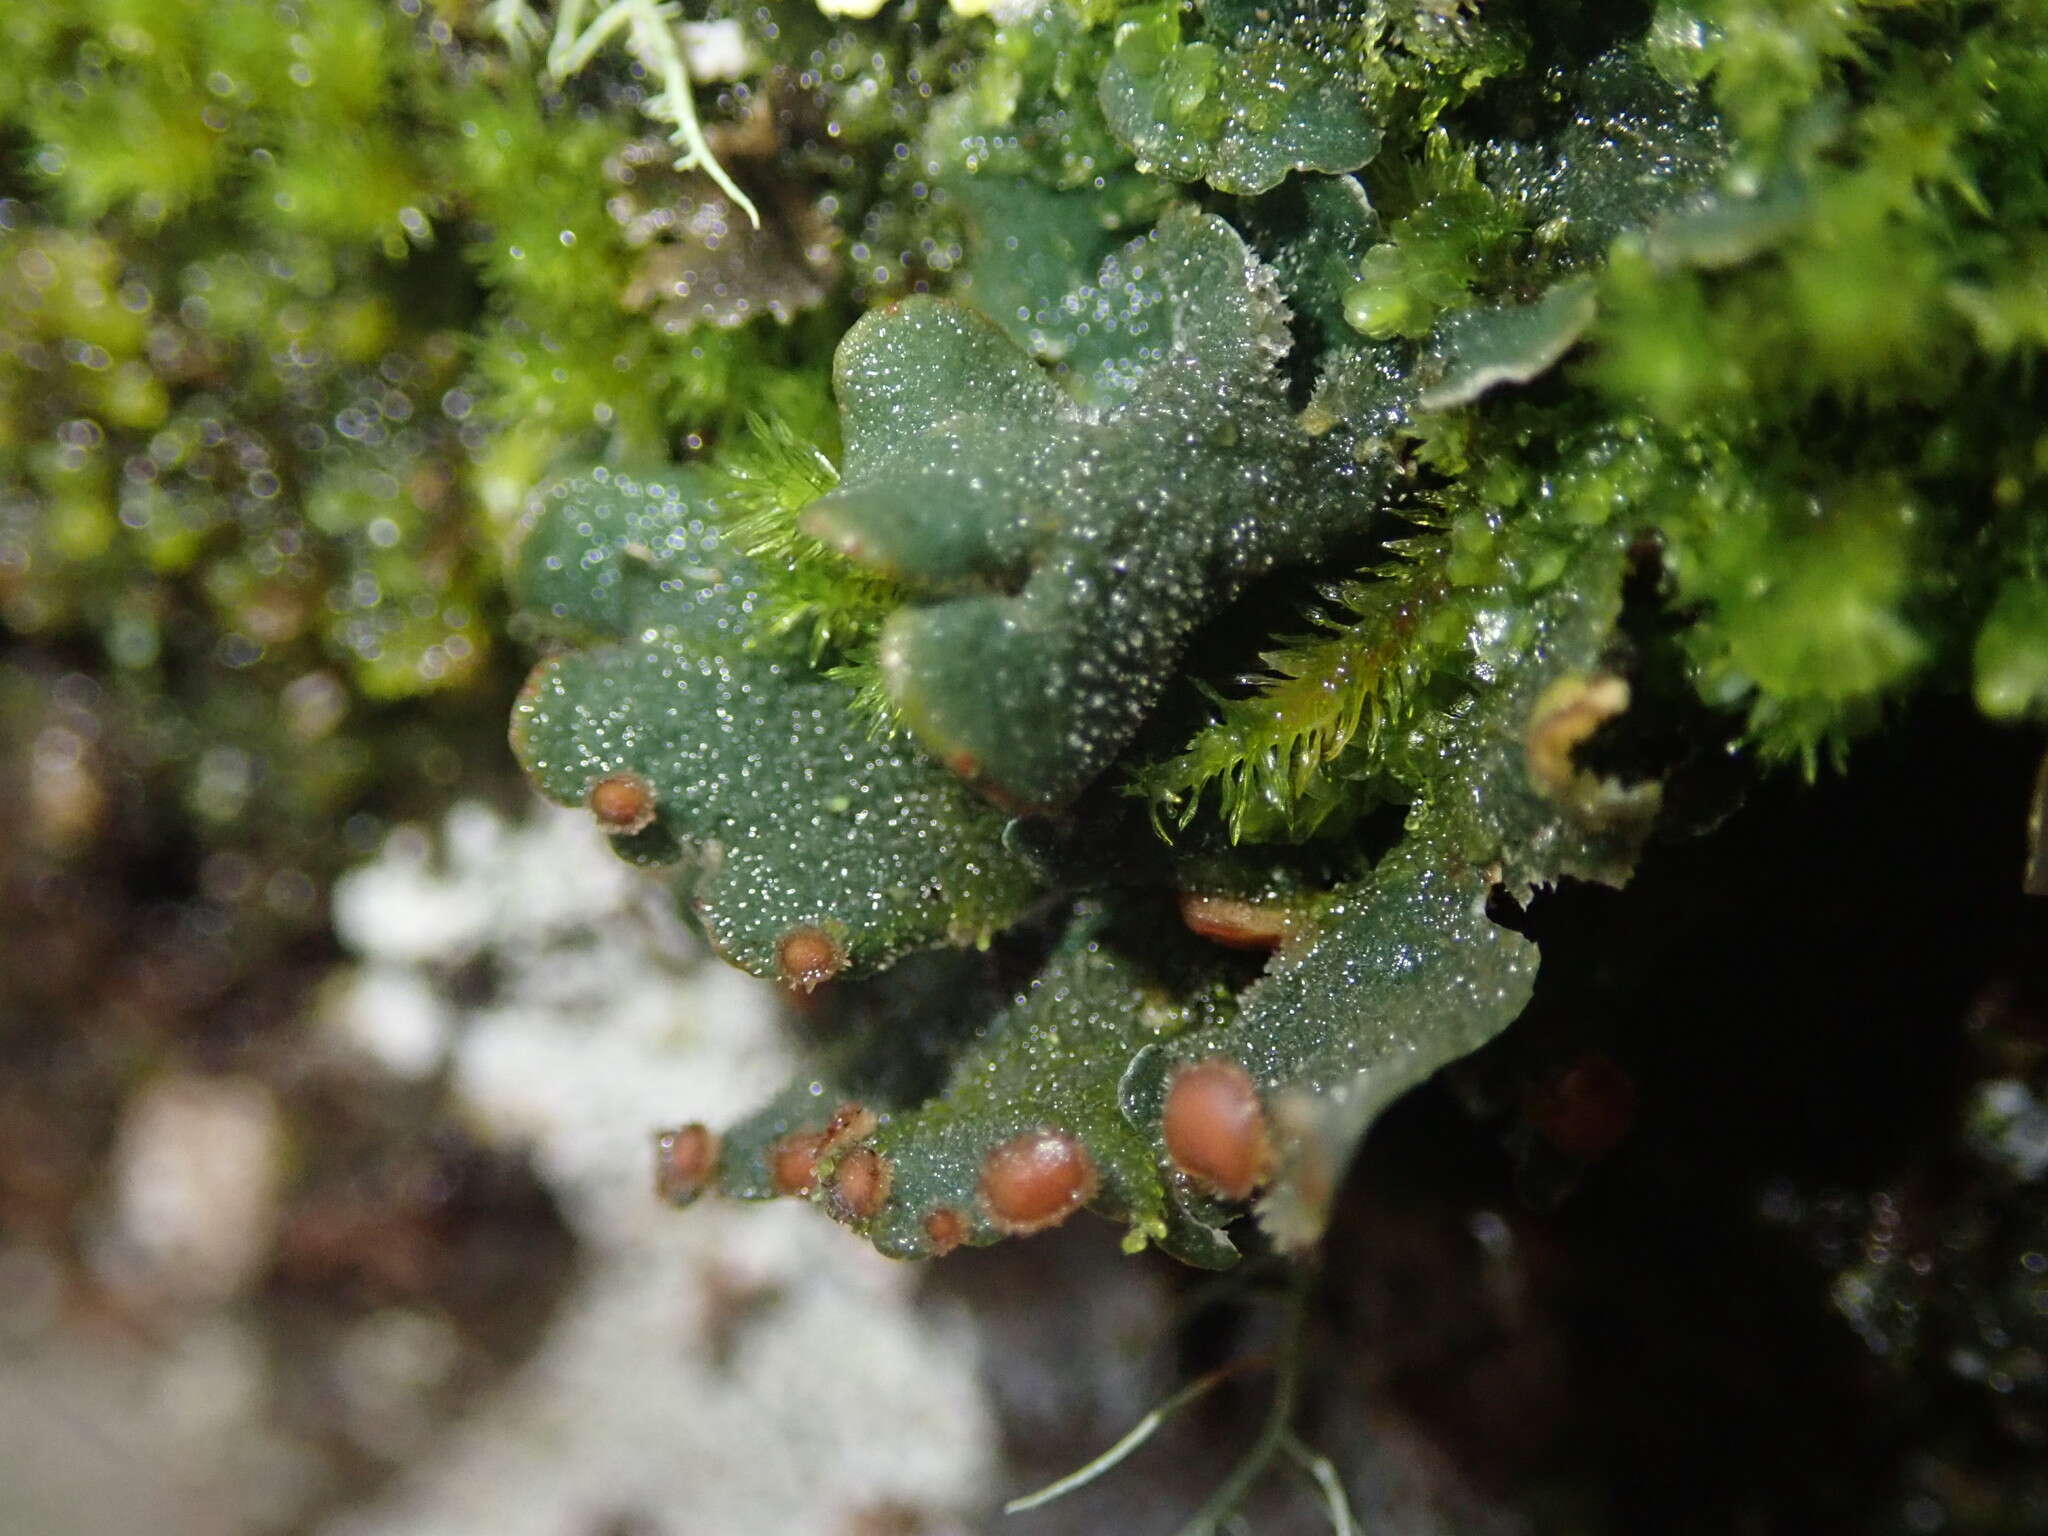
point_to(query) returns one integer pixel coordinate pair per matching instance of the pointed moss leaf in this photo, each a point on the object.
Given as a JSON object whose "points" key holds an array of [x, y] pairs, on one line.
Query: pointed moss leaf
{"points": [[1238, 114], [1320, 695], [822, 606], [787, 819], [1480, 348], [1104, 537], [1054, 1061], [1466, 677]]}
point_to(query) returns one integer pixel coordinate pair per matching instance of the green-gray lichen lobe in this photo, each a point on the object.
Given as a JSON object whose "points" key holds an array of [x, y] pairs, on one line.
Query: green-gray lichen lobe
{"points": [[1054, 1061], [1237, 111], [1071, 551], [783, 811]]}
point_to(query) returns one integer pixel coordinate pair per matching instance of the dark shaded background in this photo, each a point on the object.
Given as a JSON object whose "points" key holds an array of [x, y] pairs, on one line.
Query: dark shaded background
{"points": [[1796, 1297]]}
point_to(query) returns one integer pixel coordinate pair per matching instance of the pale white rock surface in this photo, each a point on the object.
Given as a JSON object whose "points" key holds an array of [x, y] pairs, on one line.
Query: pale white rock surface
{"points": [[724, 1370], [716, 50], [176, 1436], [197, 1174]]}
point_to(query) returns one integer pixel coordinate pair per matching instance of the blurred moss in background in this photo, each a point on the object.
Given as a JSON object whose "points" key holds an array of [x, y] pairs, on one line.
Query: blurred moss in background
{"points": [[295, 302]]}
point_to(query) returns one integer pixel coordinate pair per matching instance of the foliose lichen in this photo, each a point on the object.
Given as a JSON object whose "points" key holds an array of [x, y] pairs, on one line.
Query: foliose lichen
{"points": [[1532, 408], [1295, 480]]}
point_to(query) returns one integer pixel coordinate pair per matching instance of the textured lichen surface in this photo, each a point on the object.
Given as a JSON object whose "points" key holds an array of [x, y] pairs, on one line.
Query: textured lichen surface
{"points": [[1359, 467], [806, 847], [1052, 1063], [1239, 112], [1085, 545], [1242, 492]]}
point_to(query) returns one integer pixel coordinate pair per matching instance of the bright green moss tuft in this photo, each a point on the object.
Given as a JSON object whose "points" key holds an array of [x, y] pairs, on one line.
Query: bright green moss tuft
{"points": [[2011, 655]]}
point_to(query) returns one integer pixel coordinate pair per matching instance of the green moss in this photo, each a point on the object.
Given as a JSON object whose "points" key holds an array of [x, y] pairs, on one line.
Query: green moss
{"points": [[2011, 656], [1269, 755], [1375, 446]]}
